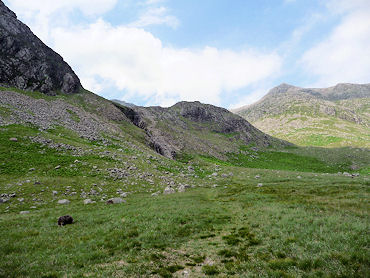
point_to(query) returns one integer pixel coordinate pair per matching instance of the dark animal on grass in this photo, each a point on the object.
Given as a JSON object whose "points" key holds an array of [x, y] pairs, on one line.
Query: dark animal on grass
{"points": [[64, 220]]}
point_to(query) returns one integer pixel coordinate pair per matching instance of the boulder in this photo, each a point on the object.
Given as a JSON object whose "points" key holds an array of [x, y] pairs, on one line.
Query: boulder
{"points": [[88, 201], [63, 202], [168, 190], [116, 201]]}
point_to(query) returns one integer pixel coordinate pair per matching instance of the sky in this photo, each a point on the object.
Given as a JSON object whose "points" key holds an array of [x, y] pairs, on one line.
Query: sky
{"points": [[223, 52]]}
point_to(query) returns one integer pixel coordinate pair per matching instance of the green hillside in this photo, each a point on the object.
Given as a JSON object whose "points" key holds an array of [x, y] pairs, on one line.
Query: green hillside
{"points": [[314, 117], [260, 210]]}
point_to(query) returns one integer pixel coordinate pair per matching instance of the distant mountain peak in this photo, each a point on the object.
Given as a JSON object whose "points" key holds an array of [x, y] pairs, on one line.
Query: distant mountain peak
{"points": [[333, 116], [282, 88]]}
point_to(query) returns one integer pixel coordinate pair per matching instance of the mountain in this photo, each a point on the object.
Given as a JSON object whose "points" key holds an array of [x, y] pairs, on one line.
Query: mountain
{"points": [[192, 190], [333, 117], [193, 127], [27, 63]]}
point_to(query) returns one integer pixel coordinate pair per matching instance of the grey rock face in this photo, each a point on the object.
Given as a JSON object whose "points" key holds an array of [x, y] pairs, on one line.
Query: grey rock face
{"points": [[27, 63], [167, 129]]}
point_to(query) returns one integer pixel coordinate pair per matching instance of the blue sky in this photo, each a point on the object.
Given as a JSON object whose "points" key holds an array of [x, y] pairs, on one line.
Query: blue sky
{"points": [[224, 52]]}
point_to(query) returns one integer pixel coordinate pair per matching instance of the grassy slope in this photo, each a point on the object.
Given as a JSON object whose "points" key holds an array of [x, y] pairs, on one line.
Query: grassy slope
{"points": [[301, 222], [302, 123]]}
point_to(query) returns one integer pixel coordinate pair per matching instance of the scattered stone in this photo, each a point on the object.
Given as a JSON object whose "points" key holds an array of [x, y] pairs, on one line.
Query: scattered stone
{"points": [[57, 167], [116, 201], [124, 194], [93, 192], [64, 202], [260, 185], [156, 194], [25, 212], [33, 207], [21, 200], [3, 200], [88, 201], [64, 220], [31, 169], [13, 139], [181, 188], [168, 190], [37, 183], [214, 174], [299, 177], [257, 176], [55, 192]]}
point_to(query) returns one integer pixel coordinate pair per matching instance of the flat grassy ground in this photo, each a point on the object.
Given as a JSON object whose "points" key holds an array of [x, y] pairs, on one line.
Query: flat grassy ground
{"points": [[313, 226], [295, 218]]}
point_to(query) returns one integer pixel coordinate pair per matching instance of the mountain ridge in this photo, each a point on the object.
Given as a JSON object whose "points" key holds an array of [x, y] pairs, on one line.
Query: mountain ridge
{"points": [[288, 111]]}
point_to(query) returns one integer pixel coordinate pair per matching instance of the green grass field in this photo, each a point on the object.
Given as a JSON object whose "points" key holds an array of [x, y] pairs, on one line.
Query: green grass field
{"points": [[316, 226], [280, 213]]}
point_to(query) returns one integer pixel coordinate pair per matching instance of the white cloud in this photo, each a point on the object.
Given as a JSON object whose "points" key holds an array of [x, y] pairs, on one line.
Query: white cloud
{"points": [[88, 7], [345, 55], [43, 15], [133, 61], [156, 16], [136, 62], [152, 2]]}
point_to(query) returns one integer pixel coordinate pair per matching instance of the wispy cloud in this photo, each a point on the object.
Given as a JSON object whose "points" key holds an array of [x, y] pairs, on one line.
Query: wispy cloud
{"points": [[155, 16], [134, 61], [43, 15], [344, 56]]}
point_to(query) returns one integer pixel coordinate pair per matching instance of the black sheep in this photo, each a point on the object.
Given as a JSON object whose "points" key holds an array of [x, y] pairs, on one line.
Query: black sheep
{"points": [[64, 220]]}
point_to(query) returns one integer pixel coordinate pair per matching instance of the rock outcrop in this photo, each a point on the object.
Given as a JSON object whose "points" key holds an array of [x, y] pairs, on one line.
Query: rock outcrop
{"points": [[194, 127], [27, 63]]}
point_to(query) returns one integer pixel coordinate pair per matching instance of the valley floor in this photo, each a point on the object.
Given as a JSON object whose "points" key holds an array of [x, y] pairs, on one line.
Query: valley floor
{"points": [[233, 220], [291, 225]]}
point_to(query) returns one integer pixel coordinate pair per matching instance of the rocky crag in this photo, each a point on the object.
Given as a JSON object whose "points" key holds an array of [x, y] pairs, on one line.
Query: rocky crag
{"points": [[27, 63], [334, 116], [195, 127]]}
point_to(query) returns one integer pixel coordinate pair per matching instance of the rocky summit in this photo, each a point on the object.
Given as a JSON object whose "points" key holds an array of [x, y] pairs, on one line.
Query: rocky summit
{"points": [[337, 116], [27, 63]]}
